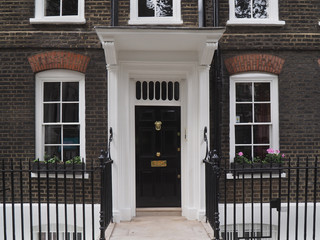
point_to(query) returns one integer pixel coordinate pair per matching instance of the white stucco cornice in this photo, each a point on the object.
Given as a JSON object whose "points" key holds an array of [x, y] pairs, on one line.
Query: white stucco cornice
{"points": [[200, 43]]}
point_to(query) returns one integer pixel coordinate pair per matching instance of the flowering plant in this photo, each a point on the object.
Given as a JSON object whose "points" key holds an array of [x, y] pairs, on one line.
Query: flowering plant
{"points": [[272, 156], [240, 158]]}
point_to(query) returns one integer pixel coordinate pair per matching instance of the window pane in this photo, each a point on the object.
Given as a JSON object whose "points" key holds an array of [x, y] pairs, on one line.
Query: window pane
{"points": [[70, 151], [146, 8], [176, 91], [52, 7], [151, 90], [70, 91], [262, 112], [164, 90], [243, 8], [243, 92], [243, 134], [70, 112], [71, 134], [51, 112], [246, 150], [260, 151], [157, 90], [52, 151], [69, 7], [51, 91], [164, 8], [170, 91], [138, 90], [259, 9], [52, 134], [261, 92], [244, 113], [144, 90], [261, 134]]}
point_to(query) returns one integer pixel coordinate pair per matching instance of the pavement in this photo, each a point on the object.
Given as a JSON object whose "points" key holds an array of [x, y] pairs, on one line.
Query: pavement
{"points": [[159, 228]]}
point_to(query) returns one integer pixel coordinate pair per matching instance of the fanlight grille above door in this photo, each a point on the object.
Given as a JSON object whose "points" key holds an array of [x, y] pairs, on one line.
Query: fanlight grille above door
{"points": [[158, 91]]}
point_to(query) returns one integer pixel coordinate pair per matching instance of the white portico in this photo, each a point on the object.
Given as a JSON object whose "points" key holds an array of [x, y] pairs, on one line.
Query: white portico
{"points": [[181, 55]]}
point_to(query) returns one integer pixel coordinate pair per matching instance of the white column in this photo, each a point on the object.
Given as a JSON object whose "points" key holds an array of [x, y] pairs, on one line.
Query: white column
{"points": [[204, 121], [113, 123]]}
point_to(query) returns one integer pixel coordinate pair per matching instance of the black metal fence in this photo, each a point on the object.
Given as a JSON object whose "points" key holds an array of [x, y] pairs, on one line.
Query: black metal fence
{"points": [[259, 202], [56, 202]]}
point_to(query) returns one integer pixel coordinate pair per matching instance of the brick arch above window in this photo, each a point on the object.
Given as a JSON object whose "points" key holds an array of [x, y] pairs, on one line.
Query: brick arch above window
{"points": [[254, 62], [59, 60]]}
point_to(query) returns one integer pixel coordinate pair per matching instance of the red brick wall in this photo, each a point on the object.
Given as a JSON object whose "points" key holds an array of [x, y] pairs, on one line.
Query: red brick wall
{"points": [[254, 62], [59, 59]]}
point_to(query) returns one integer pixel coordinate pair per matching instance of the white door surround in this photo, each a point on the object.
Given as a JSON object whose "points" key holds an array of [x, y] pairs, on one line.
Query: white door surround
{"points": [[158, 55]]}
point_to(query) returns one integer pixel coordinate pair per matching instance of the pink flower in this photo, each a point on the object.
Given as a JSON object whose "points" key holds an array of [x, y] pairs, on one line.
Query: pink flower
{"points": [[277, 151], [282, 155], [270, 150], [240, 154]]}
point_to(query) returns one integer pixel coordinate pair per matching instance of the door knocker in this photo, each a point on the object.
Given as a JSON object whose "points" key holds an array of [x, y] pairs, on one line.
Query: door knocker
{"points": [[157, 125]]}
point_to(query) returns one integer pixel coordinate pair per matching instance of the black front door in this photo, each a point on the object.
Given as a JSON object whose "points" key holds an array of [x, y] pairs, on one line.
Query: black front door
{"points": [[158, 156]]}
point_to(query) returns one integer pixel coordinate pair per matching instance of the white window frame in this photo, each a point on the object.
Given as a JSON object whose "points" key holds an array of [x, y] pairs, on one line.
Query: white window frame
{"points": [[272, 20], [40, 17], [274, 99], [58, 75], [136, 20]]}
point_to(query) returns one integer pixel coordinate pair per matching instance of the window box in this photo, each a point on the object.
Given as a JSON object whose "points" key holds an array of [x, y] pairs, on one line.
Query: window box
{"points": [[255, 167], [42, 167]]}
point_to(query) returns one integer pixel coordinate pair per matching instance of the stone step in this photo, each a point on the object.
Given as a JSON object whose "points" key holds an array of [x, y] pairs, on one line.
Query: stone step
{"points": [[158, 212]]}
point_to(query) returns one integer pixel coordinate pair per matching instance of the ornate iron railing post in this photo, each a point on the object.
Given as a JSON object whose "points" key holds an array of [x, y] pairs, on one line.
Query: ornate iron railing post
{"points": [[215, 160]]}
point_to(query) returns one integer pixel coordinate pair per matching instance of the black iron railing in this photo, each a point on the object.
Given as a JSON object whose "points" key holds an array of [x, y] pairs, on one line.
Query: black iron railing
{"points": [[106, 191], [55, 201], [263, 202]]}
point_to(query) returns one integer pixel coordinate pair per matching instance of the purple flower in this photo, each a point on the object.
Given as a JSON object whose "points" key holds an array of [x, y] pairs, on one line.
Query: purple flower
{"points": [[240, 154], [270, 150]]}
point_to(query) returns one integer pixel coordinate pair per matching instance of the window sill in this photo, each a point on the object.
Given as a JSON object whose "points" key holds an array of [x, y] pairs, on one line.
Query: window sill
{"points": [[58, 20], [255, 23], [60, 175], [238, 175], [155, 21]]}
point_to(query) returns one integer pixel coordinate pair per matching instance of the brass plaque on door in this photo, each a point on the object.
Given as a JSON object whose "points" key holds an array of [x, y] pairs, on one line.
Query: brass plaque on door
{"points": [[159, 163]]}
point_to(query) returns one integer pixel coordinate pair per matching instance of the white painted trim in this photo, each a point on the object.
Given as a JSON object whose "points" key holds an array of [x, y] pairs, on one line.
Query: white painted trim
{"points": [[272, 20], [61, 75], [40, 17], [194, 117], [255, 77], [136, 20]]}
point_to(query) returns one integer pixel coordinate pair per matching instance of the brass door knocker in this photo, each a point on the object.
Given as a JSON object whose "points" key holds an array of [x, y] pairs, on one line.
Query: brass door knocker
{"points": [[157, 125]]}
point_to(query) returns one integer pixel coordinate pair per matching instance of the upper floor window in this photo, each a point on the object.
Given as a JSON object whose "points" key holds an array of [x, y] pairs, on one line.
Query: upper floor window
{"points": [[155, 12], [251, 12], [254, 120], [59, 11], [60, 114]]}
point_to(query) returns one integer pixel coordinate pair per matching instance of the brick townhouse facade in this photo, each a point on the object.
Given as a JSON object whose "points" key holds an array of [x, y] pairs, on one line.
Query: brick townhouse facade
{"points": [[69, 74]]}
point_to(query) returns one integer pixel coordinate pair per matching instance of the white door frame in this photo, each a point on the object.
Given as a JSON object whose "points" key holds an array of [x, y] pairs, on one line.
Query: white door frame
{"points": [[185, 54]]}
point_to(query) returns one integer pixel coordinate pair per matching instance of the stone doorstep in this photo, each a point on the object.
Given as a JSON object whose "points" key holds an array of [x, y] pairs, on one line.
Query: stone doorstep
{"points": [[158, 212], [123, 232]]}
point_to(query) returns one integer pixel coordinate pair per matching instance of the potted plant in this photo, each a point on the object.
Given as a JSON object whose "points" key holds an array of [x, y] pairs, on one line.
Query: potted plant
{"points": [[55, 163], [273, 159]]}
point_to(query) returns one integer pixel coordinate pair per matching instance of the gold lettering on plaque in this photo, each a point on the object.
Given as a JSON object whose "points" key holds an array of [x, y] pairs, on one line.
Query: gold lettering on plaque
{"points": [[159, 163]]}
